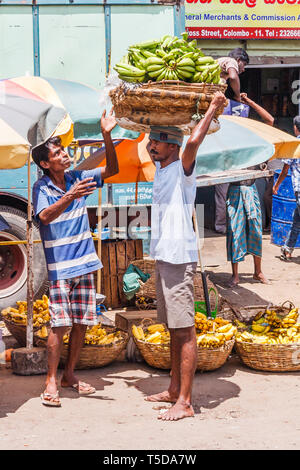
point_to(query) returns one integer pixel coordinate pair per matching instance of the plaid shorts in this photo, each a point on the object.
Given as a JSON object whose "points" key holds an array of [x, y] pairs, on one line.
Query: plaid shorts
{"points": [[73, 301]]}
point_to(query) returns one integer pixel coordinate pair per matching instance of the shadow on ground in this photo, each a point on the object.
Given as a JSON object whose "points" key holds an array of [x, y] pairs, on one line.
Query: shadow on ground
{"points": [[238, 295], [16, 390]]}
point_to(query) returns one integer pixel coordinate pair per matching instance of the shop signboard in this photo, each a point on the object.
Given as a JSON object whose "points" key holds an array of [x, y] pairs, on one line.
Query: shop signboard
{"points": [[243, 19]]}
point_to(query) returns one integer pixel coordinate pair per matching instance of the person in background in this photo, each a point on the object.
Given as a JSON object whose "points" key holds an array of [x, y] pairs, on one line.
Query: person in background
{"points": [[222, 189], [174, 247], [276, 164], [220, 207], [294, 166], [231, 67], [244, 222], [59, 206]]}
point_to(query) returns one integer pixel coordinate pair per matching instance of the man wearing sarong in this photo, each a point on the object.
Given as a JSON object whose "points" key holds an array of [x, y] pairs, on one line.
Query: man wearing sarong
{"points": [[174, 247], [244, 222]]}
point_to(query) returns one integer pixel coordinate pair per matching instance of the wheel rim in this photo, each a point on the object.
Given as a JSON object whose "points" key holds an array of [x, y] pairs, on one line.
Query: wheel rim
{"points": [[13, 266]]}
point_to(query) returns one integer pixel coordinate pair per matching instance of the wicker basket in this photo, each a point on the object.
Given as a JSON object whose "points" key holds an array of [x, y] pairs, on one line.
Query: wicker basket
{"points": [[18, 331], [148, 289], [166, 103], [145, 128], [270, 357], [92, 356], [159, 355]]}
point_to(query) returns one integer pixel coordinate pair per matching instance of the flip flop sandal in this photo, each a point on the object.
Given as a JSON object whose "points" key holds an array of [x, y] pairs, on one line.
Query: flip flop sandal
{"points": [[284, 257], [82, 389], [50, 399]]}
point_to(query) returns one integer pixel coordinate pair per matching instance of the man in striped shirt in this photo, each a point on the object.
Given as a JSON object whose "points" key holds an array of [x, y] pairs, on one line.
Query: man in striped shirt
{"points": [[59, 206]]}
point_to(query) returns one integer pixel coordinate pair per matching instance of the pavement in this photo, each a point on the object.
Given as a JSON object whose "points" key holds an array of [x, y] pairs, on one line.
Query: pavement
{"points": [[235, 407]]}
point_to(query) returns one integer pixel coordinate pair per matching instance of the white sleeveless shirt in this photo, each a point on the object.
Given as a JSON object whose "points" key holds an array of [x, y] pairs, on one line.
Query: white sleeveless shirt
{"points": [[173, 238]]}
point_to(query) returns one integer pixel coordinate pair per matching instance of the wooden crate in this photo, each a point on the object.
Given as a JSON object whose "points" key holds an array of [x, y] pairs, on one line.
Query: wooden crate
{"points": [[116, 256], [125, 320]]}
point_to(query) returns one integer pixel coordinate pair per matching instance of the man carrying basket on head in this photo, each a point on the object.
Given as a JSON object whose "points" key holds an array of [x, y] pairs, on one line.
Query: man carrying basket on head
{"points": [[174, 247]]}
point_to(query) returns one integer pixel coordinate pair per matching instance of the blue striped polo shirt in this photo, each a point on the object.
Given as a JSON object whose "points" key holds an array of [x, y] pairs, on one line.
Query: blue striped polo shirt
{"points": [[68, 244]]}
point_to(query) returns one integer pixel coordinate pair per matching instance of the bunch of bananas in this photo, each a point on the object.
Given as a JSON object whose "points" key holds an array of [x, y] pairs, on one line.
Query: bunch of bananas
{"points": [[217, 337], [97, 335], [271, 329], [169, 58], [42, 332], [18, 315], [210, 340], [203, 324], [156, 334], [212, 334]]}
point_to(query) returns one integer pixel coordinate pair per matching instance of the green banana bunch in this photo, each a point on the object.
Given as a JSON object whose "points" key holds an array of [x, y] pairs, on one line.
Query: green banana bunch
{"points": [[129, 73], [168, 58]]}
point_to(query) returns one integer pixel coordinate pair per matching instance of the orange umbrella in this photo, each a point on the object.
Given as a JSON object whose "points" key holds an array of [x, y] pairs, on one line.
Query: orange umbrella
{"points": [[135, 165]]}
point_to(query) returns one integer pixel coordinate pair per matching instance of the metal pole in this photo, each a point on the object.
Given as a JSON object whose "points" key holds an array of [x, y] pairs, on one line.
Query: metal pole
{"points": [[36, 39], [99, 240], [203, 274], [29, 328]]}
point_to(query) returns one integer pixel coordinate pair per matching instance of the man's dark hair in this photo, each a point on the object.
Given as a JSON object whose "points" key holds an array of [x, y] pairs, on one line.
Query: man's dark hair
{"points": [[40, 153], [239, 54], [296, 122]]}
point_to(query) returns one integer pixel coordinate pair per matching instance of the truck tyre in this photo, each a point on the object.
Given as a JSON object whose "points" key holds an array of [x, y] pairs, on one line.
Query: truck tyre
{"points": [[13, 260]]}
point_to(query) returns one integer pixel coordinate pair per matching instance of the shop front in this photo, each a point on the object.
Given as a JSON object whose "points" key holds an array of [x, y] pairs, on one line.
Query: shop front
{"points": [[269, 30]]}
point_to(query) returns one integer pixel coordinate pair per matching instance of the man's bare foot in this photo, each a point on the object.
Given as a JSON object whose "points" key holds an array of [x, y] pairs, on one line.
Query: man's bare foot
{"points": [[68, 380], [178, 411], [261, 278], [81, 387], [162, 397], [51, 386], [233, 281]]}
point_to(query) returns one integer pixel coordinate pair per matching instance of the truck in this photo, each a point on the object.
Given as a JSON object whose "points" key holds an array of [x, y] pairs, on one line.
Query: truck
{"points": [[77, 40]]}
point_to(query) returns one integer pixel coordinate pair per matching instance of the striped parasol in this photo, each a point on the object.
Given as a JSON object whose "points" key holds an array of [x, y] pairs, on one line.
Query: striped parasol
{"points": [[34, 108], [25, 121], [241, 143]]}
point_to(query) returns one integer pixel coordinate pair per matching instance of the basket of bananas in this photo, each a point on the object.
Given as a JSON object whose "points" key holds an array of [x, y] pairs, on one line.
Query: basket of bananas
{"points": [[215, 340], [165, 82], [272, 340], [15, 318], [101, 345]]}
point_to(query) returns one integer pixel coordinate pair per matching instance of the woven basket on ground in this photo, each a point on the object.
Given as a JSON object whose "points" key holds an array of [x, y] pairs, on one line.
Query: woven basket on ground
{"points": [[159, 355], [270, 357], [18, 331], [166, 103], [148, 289], [92, 356]]}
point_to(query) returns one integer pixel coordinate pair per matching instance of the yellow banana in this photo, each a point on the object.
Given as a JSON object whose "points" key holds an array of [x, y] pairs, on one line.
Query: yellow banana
{"points": [[225, 328], [156, 327], [154, 337]]}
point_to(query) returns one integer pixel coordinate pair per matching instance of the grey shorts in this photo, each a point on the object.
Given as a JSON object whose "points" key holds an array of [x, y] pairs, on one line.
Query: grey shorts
{"points": [[175, 294]]}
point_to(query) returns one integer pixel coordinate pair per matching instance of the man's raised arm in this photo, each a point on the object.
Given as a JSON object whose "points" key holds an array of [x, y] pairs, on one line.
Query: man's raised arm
{"points": [[112, 168], [199, 132]]}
